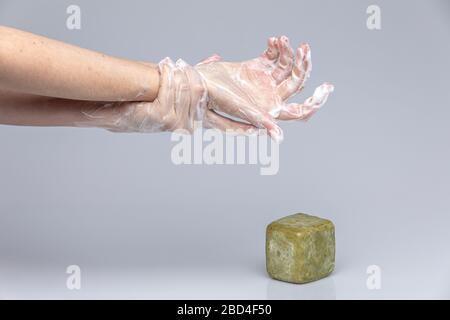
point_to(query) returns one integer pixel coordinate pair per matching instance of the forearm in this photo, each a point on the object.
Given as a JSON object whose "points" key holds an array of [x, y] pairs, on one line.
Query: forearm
{"points": [[31, 110], [41, 66]]}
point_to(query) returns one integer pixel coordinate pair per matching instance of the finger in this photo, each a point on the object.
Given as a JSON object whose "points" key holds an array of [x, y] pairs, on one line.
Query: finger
{"points": [[181, 89], [304, 111], [300, 73], [271, 52], [261, 119], [296, 111], [214, 120], [165, 95], [285, 61], [181, 96], [240, 108], [254, 115], [214, 58], [198, 95]]}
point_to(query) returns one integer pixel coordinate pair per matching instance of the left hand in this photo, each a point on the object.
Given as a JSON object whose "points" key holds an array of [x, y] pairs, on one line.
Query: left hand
{"points": [[257, 90]]}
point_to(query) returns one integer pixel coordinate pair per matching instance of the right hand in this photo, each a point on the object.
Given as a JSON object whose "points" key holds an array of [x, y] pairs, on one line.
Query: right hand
{"points": [[181, 104]]}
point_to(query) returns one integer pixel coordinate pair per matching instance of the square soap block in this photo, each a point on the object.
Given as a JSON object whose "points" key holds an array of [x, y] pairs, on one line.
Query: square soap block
{"points": [[300, 248]]}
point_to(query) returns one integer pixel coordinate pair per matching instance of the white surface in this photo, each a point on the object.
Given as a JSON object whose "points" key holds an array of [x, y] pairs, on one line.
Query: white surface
{"points": [[219, 282]]}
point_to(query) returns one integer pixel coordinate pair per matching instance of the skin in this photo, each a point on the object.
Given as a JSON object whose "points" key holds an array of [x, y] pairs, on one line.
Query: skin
{"points": [[23, 109], [31, 110], [37, 65], [44, 82]]}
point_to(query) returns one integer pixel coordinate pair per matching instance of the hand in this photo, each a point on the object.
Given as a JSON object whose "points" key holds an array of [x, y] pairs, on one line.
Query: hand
{"points": [[257, 90], [181, 104]]}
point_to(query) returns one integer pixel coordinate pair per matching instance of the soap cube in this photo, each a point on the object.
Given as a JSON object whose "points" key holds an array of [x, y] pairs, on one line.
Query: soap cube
{"points": [[300, 248]]}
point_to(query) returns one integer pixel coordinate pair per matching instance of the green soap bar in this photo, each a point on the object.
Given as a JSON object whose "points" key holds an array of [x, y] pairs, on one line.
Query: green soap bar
{"points": [[300, 248]]}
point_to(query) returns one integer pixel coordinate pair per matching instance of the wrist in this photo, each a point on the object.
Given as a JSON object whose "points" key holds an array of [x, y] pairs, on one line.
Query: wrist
{"points": [[154, 83]]}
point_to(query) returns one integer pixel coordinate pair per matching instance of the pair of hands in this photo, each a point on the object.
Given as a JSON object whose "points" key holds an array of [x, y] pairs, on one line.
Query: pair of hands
{"points": [[254, 91]]}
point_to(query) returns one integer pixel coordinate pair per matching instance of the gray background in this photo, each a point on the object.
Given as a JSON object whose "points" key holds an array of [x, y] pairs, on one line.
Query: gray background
{"points": [[375, 160]]}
